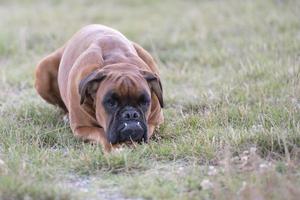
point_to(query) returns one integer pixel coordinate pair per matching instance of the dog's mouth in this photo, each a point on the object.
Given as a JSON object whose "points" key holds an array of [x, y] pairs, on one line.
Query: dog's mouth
{"points": [[125, 125], [129, 132], [133, 131]]}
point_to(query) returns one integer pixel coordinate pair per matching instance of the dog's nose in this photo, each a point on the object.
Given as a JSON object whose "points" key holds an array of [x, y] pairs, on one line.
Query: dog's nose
{"points": [[130, 115], [132, 131]]}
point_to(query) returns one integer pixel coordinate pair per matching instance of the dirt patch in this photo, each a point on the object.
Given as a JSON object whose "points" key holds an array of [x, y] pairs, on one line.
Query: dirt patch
{"points": [[90, 188]]}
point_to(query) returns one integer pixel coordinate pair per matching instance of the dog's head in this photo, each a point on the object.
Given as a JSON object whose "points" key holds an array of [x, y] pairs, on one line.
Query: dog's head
{"points": [[122, 95]]}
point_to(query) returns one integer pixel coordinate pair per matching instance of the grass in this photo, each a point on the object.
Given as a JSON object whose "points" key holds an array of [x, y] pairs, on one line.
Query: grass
{"points": [[231, 76]]}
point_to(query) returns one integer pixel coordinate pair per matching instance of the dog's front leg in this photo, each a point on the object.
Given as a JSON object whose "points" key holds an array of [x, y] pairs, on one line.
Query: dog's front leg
{"points": [[93, 135]]}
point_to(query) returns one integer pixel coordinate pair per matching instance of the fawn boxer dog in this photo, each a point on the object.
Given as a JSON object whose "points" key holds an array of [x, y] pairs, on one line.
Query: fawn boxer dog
{"points": [[108, 86]]}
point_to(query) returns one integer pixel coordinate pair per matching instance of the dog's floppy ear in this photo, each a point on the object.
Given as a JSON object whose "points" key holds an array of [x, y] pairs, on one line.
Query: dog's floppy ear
{"points": [[89, 85], [155, 85]]}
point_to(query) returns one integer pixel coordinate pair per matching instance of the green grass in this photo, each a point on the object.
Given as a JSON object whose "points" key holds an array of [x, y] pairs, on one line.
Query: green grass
{"points": [[231, 76]]}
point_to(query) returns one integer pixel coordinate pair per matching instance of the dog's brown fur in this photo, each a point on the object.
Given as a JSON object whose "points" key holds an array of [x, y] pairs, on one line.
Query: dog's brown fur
{"points": [[96, 49]]}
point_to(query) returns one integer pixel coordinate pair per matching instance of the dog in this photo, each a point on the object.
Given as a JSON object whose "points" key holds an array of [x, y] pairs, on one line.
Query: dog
{"points": [[108, 86]]}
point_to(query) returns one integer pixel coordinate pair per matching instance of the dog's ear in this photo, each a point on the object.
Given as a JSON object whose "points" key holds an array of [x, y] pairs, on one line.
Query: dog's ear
{"points": [[155, 85], [88, 86]]}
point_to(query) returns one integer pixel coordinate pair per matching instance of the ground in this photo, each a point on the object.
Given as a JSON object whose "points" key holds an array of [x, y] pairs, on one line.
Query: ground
{"points": [[231, 77]]}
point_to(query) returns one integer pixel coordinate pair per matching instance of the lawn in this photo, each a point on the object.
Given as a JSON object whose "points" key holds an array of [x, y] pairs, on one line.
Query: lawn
{"points": [[231, 77]]}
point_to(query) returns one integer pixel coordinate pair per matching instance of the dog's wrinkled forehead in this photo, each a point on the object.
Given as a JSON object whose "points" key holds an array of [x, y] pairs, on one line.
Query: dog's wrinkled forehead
{"points": [[127, 84]]}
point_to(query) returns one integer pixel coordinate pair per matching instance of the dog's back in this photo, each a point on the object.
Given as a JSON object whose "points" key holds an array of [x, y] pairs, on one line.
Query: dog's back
{"points": [[113, 45]]}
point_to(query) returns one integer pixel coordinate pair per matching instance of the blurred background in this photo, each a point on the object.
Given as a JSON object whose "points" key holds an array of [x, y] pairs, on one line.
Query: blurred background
{"points": [[199, 45], [230, 71]]}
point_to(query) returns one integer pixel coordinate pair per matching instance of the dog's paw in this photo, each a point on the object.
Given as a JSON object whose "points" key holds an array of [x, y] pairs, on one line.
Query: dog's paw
{"points": [[66, 119], [118, 150]]}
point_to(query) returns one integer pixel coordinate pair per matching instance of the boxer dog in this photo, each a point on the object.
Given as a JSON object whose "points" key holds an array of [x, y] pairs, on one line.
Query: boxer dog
{"points": [[108, 86]]}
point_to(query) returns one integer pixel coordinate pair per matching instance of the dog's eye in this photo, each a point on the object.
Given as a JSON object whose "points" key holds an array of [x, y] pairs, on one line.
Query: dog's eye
{"points": [[112, 103], [144, 101]]}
